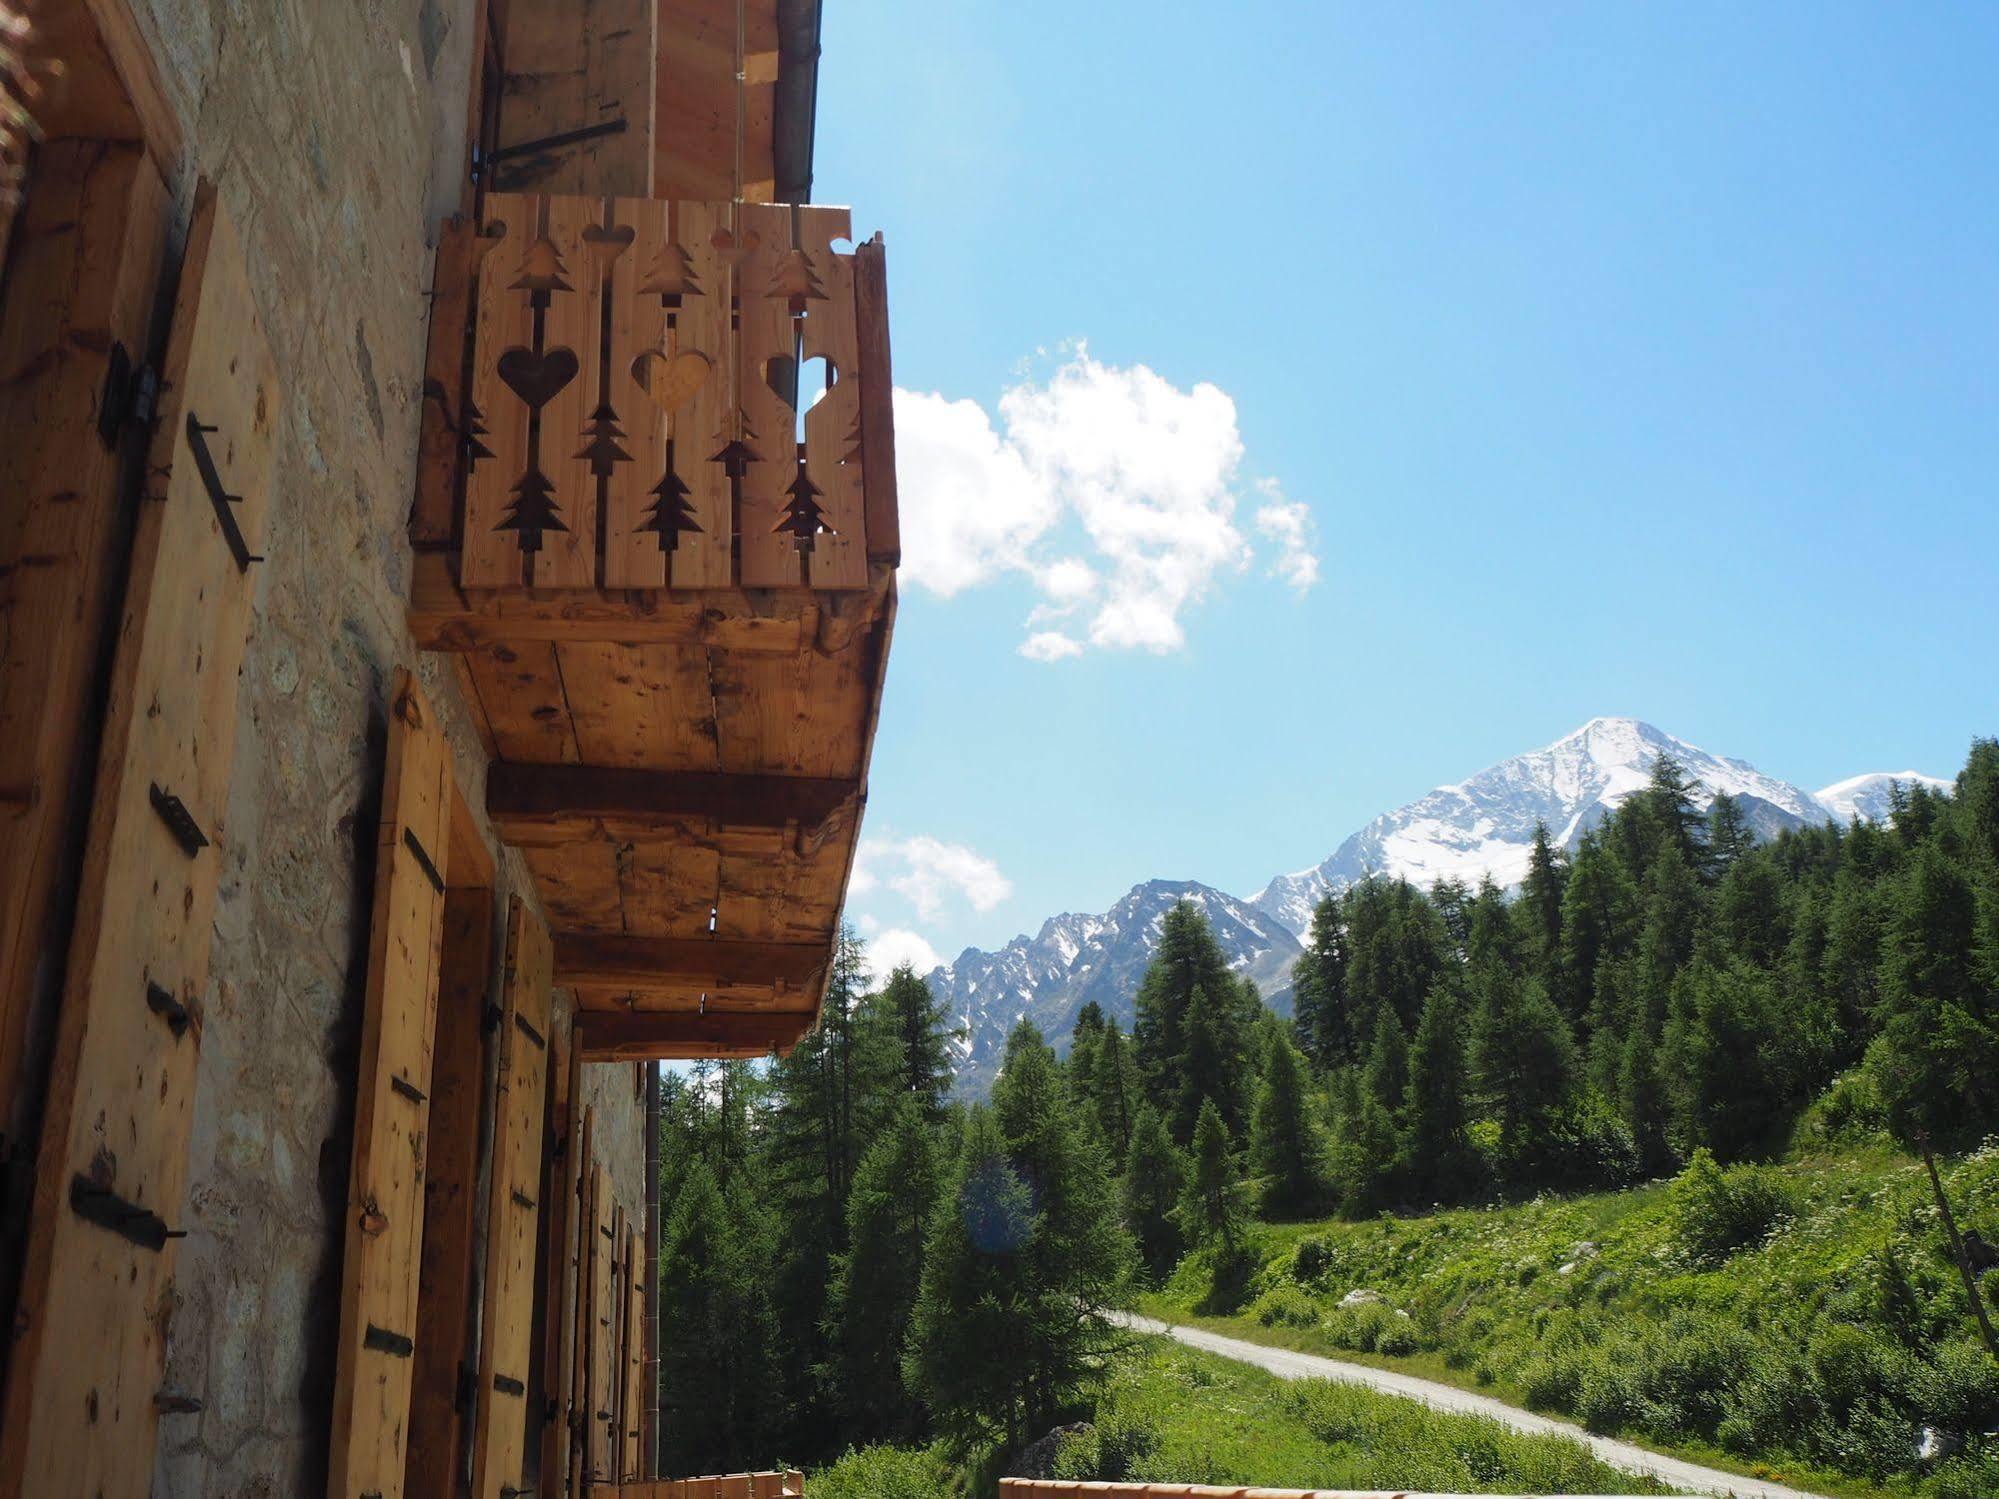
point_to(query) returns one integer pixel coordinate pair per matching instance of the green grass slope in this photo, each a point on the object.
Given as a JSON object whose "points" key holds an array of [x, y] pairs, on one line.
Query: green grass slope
{"points": [[1800, 1321], [1176, 1415]]}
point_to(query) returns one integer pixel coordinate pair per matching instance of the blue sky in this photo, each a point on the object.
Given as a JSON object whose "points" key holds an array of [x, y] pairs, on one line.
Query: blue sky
{"points": [[1347, 397]]}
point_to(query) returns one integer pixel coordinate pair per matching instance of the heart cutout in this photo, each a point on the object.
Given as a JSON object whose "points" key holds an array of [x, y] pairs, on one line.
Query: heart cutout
{"points": [[537, 378], [609, 243], [781, 375], [736, 250], [671, 383]]}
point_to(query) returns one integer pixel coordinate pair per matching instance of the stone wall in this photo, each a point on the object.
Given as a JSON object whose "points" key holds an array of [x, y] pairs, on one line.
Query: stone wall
{"points": [[333, 129]]}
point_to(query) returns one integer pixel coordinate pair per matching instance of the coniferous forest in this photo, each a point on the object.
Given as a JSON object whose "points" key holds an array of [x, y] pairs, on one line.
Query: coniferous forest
{"points": [[850, 1256]]}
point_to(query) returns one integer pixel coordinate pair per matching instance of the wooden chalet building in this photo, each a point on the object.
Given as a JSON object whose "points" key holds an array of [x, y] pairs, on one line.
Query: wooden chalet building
{"points": [[448, 536]]}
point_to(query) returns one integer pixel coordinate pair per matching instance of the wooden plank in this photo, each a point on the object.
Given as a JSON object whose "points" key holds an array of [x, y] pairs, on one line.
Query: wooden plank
{"points": [[614, 1389], [697, 128], [450, 1199], [497, 418], [638, 386], [572, 327], [607, 1036], [567, 70], [597, 1404], [501, 1430], [723, 964], [550, 804], [471, 860], [703, 429], [522, 693], [633, 705], [384, 1234], [562, 1152], [441, 434], [833, 437], [669, 890], [95, 1304], [443, 616], [884, 520], [85, 279], [766, 353]]}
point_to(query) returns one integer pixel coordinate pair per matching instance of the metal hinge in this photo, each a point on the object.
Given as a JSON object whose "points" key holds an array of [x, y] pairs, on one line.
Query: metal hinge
{"points": [[130, 396]]}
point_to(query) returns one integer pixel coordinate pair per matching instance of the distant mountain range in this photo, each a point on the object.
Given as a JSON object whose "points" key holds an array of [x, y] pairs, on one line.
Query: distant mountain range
{"points": [[1479, 827]]}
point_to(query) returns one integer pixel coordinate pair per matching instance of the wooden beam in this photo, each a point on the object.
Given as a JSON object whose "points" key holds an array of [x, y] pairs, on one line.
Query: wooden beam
{"points": [[445, 617], [112, 88], [605, 1036], [884, 523], [552, 805], [583, 958]]}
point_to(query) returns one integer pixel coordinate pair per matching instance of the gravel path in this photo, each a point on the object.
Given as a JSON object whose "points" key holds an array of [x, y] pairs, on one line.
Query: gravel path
{"points": [[1689, 1477]]}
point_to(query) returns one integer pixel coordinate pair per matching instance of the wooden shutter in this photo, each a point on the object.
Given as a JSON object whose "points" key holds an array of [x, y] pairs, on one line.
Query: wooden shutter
{"points": [[96, 1290], [505, 1342], [83, 284], [581, 1320], [559, 1222], [634, 1341], [378, 1298], [597, 1407]]}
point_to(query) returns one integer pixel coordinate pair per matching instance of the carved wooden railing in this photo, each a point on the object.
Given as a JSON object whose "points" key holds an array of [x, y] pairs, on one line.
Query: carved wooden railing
{"points": [[626, 394]]}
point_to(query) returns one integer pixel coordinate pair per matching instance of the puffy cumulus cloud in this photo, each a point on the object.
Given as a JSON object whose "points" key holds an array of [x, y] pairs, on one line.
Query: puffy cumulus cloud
{"points": [[1288, 523], [926, 872], [891, 947], [1145, 474]]}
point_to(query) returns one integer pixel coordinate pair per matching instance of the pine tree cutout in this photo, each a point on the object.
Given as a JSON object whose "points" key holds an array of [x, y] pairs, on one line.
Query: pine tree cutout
{"points": [[533, 511], [471, 430], [671, 516], [542, 272], [803, 519], [792, 278], [670, 274], [605, 446]]}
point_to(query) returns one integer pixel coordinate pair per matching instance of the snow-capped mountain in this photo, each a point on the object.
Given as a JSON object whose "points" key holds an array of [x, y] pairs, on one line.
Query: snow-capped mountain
{"points": [[1076, 959], [1485, 826], [1479, 827], [1872, 796]]}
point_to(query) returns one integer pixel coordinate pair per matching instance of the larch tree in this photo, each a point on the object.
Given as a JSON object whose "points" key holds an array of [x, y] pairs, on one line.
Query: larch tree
{"points": [[1149, 1195], [1285, 1147]]}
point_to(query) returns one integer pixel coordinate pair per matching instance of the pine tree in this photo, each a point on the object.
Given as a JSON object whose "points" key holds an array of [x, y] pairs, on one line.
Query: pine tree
{"points": [[1387, 1075], [718, 1370], [1084, 1037], [1114, 1091], [1318, 987], [976, 1296], [1523, 1061], [1723, 1031], [1598, 913], [1149, 1195], [1642, 1094], [1729, 836], [1285, 1149], [1365, 1151], [1187, 959], [1435, 1149], [1211, 1202], [1214, 1064], [1539, 908], [918, 1023], [875, 1283]]}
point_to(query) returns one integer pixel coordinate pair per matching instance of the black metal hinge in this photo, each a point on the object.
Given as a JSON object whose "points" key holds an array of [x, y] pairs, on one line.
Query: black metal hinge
{"points": [[131, 392], [381, 1340], [180, 822], [161, 1002], [423, 859], [105, 1208], [407, 1088], [218, 495], [508, 1386], [521, 1024]]}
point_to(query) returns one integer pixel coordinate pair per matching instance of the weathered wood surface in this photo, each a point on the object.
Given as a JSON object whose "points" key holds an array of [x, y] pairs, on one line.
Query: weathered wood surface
{"points": [[111, 89], [698, 102], [85, 280], [501, 1429], [563, 1150], [384, 1224], [877, 399], [630, 1419], [603, 1328], [568, 67], [441, 434], [450, 1198], [621, 1036], [96, 1300]]}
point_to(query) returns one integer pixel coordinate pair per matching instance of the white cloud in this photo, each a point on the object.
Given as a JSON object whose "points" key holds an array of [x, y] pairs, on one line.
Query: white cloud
{"points": [[1143, 472], [1289, 524], [891, 947], [1050, 645], [924, 871]]}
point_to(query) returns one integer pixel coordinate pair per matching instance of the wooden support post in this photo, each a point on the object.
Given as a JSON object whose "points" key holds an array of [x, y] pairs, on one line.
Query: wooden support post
{"points": [[555, 805]]}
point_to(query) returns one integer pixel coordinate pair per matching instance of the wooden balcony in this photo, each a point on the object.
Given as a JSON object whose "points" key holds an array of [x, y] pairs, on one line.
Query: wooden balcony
{"points": [[732, 1486], [668, 581]]}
